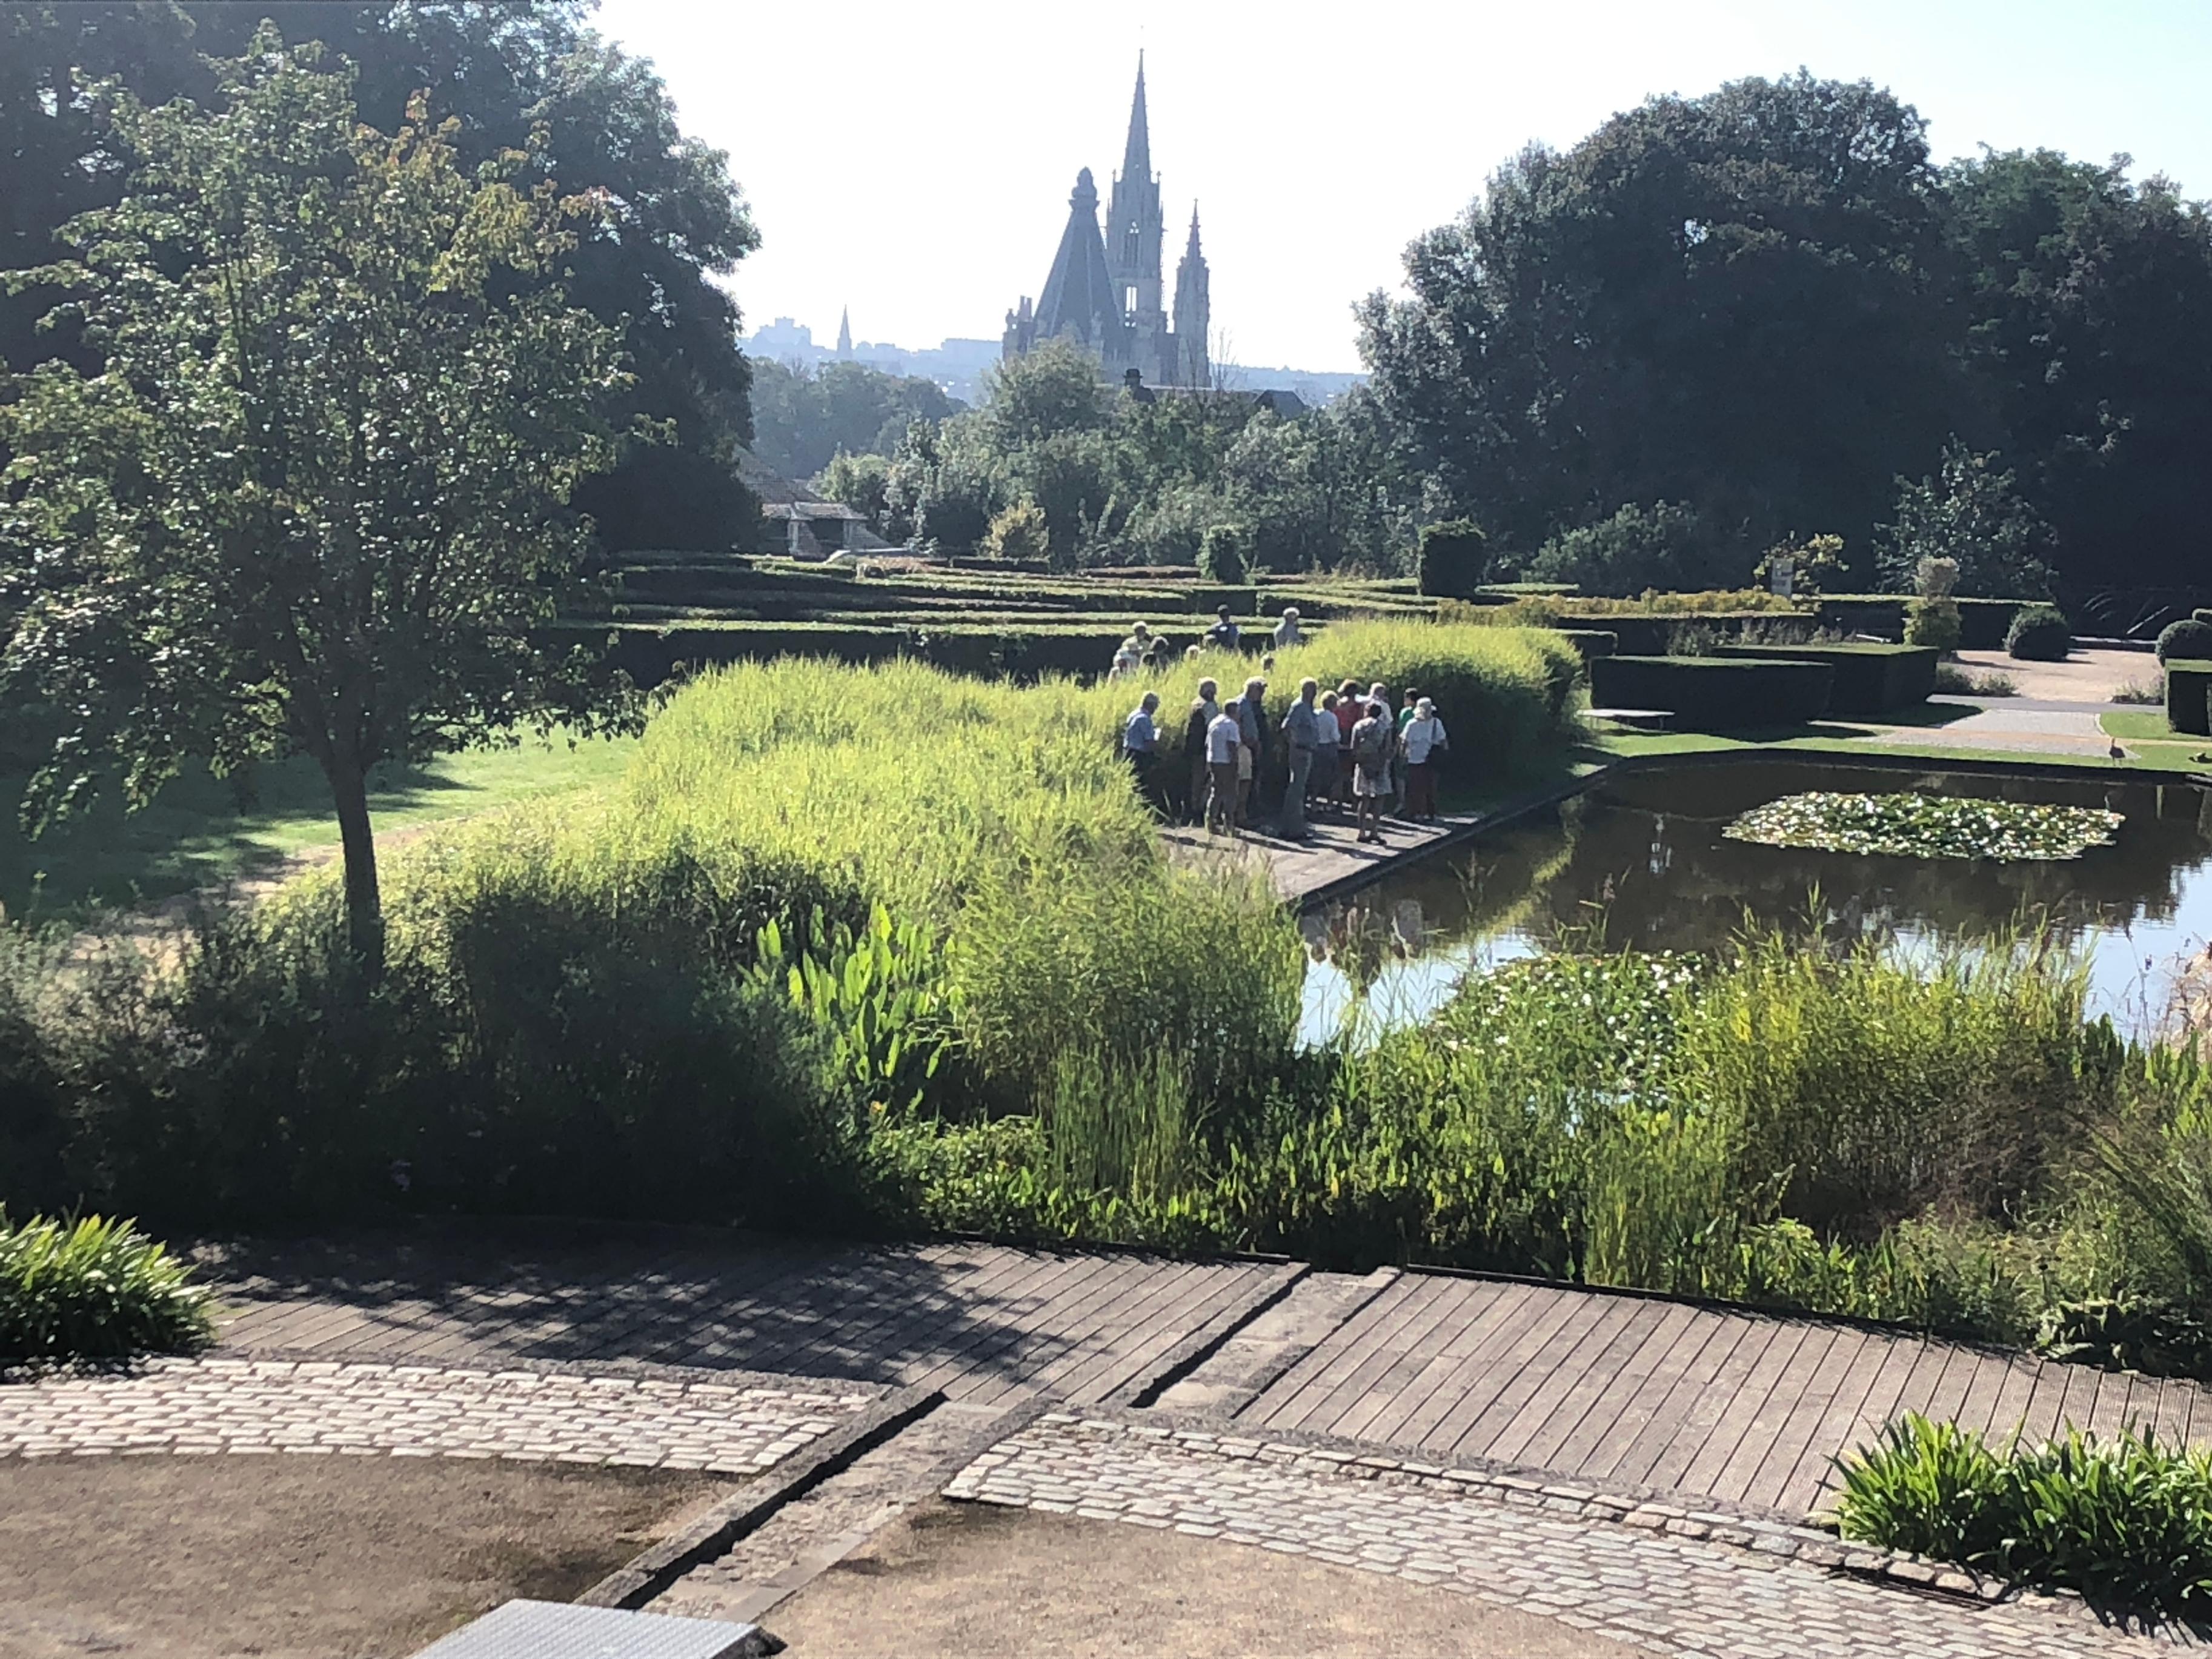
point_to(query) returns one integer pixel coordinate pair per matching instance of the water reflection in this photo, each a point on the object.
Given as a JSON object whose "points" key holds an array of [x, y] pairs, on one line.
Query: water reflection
{"points": [[1641, 863]]}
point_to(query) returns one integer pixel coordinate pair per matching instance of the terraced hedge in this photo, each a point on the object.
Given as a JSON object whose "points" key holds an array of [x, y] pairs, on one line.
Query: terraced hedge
{"points": [[1714, 694], [1869, 679]]}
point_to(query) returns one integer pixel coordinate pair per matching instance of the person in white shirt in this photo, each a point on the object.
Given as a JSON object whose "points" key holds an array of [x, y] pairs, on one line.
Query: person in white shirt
{"points": [[1224, 743], [1286, 631], [1423, 741], [1141, 741], [1371, 743]]}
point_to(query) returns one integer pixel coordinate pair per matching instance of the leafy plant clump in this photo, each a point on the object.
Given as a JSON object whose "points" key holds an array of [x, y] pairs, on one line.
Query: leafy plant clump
{"points": [[93, 1289], [2040, 632], [2125, 1521], [1927, 827]]}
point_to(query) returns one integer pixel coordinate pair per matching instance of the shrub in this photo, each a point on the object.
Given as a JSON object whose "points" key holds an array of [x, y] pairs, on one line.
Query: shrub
{"points": [[2123, 1520], [2039, 634], [1221, 555], [1869, 679], [93, 1289], [1662, 546], [1453, 555], [2187, 686], [2189, 638], [1933, 622], [1017, 532]]}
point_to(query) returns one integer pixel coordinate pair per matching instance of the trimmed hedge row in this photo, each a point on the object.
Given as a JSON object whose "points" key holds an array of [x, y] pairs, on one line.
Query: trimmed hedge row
{"points": [[1653, 634], [1983, 624], [1714, 694], [2187, 685], [1869, 678]]}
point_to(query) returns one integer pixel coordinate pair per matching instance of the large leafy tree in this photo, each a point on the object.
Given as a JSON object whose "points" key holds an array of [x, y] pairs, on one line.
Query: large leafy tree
{"points": [[517, 76], [313, 495], [2089, 304], [1734, 302]]}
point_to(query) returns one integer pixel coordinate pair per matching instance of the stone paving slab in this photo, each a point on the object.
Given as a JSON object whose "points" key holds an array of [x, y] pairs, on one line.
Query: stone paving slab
{"points": [[1516, 1544], [238, 1405]]}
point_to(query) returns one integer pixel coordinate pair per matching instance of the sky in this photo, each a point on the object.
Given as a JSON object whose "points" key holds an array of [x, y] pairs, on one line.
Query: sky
{"points": [[913, 162]]}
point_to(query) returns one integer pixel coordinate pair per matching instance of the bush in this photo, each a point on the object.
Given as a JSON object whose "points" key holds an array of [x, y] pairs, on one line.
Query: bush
{"points": [[1718, 694], [2191, 640], [1662, 546], [1221, 555], [1018, 532], [2039, 634], [2187, 686], [1934, 623], [2126, 1521], [1453, 556], [93, 1289]]}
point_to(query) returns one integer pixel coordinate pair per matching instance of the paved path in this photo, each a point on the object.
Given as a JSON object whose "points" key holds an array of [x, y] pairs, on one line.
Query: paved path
{"points": [[1296, 869], [980, 1321], [1692, 1597], [729, 1427], [1743, 1408]]}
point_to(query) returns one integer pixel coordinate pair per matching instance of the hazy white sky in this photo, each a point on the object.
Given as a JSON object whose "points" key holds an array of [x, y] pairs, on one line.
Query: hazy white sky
{"points": [[913, 161]]}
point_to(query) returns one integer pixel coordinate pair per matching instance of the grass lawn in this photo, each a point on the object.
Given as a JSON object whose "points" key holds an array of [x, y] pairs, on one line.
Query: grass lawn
{"points": [[197, 833]]}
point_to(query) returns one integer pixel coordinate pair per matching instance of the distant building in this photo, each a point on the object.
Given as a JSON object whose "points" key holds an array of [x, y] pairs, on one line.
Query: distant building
{"points": [[845, 335], [1105, 292]]}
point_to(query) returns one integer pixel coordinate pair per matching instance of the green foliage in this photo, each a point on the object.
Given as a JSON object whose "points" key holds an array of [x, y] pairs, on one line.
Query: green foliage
{"points": [[1972, 514], [216, 574], [95, 1289], [1637, 550], [2189, 638], [2040, 632], [1927, 827], [1221, 555], [1018, 532], [805, 417], [1933, 622], [1453, 558], [2125, 1521], [862, 483], [878, 993]]}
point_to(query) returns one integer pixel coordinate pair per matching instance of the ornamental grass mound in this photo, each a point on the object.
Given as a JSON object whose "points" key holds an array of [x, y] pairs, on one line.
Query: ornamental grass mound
{"points": [[1927, 827], [93, 1289]]}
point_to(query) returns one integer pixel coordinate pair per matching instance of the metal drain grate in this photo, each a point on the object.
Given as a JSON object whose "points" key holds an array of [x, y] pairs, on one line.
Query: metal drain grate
{"points": [[556, 1630]]}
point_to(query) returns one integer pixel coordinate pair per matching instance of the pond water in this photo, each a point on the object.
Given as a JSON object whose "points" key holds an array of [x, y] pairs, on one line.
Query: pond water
{"points": [[1643, 860]]}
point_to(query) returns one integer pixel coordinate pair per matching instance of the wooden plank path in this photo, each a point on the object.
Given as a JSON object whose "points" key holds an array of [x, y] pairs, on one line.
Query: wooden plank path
{"points": [[1620, 1391], [982, 1322]]}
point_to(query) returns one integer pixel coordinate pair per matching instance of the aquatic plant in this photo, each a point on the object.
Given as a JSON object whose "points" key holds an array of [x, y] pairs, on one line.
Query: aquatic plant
{"points": [[1927, 826]]}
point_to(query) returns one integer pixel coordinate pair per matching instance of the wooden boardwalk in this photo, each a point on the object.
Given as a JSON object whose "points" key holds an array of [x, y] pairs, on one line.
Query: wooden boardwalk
{"points": [[1619, 1391], [982, 1322]]}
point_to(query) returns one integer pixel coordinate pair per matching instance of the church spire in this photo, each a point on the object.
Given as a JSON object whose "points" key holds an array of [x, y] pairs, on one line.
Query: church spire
{"points": [[845, 333], [1191, 248], [1137, 157]]}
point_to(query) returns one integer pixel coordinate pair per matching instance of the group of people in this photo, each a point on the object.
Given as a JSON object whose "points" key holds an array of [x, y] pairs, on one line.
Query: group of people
{"points": [[1146, 652], [1344, 748]]}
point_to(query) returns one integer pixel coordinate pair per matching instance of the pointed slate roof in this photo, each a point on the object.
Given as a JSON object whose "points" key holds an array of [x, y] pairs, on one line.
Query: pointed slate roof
{"points": [[1137, 156], [1078, 296]]}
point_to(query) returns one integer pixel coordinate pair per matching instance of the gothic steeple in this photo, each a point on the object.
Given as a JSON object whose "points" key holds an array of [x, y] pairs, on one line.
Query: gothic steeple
{"points": [[845, 333], [1137, 154], [1079, 298], [1194, 313]]}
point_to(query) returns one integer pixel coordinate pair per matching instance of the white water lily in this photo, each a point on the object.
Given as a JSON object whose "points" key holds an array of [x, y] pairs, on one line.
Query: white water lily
{"points": [[1928, 826]]}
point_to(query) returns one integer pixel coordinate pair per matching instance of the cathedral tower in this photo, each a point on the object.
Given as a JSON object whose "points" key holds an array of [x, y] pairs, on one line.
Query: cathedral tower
{"points": [[1135, 227], [1194, 314]]}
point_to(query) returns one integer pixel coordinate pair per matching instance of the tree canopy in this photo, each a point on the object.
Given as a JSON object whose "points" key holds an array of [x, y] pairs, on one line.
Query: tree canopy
{"points": [[531, 79], [804, 417], [313, 495], [1768, 308]]}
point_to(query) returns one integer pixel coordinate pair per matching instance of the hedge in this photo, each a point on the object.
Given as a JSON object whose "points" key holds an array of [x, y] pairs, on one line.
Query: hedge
{"points": [[1982, 623], [1592, 642], [1714, 694], [1650, 636], [2187, 685], [1869, 678]]}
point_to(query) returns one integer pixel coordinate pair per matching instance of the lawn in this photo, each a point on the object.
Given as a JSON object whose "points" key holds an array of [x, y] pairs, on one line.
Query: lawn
{"points": [[197, 832]]}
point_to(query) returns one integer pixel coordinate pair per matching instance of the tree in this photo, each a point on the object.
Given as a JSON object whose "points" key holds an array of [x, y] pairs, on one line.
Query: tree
{"points": [[315, 497], [1634, 551], [1735, 302], [1018, 532], [529, 79], [2088, 306], [1969, 512], [802, 417], [861, 483], [1043, 393]]}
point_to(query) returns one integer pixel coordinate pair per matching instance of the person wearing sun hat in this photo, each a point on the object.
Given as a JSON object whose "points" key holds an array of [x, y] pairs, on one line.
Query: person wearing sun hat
{"points": [[1422, 741], [1286, 631]]}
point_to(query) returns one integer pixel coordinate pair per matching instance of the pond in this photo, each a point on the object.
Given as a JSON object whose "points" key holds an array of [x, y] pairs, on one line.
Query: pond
{"points": [[1640, 862]]}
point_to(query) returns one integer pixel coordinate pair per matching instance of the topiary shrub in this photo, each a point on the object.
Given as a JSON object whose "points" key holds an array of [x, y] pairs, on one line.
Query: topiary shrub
{"points": [[1454, 556], [1934, 623], [2039, 634], [2191, 640], [1221, 555]]}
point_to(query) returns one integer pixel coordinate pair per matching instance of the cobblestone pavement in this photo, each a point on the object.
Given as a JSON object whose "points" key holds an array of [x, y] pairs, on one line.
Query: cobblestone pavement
{"points": [[726, 1426], [1513, 1543]]}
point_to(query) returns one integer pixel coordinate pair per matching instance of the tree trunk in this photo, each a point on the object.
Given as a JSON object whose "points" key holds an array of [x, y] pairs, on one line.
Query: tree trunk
{"points": [[364, 904]]}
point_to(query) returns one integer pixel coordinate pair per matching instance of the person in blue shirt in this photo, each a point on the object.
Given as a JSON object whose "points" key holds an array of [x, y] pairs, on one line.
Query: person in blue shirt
{"points": [[1225, 634], [1141, 741]]}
